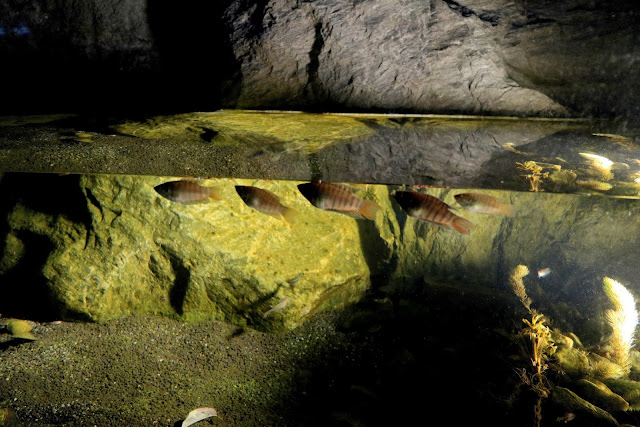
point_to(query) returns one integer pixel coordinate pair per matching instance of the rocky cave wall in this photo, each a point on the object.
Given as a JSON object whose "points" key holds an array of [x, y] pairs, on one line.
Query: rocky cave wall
{"points": [[576, 58]]}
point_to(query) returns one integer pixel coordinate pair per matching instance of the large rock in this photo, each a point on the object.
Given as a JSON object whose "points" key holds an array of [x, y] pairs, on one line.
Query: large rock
{"points": [[484, 57], [410, 56], [128, 250], [99, 247]]}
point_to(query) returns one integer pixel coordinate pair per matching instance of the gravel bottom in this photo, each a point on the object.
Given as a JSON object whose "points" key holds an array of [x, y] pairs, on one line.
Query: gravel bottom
{"points": [[154, 371]]}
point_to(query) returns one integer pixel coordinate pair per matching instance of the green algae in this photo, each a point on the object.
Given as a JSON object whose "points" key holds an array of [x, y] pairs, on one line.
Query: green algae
{"points": [[142, 370], [282, 131], [129, 250], [309, 133], [32, 119]]}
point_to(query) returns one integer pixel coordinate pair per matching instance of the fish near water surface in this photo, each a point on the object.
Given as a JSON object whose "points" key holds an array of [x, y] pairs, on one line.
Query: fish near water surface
{"points": [[187, 192], [338, 198], [484, 204], [429, 208], [264, 201]]}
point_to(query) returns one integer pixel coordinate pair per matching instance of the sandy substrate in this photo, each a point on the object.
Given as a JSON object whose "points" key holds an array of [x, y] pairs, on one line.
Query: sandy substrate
{"points": [[153, 371], [388, 360]]}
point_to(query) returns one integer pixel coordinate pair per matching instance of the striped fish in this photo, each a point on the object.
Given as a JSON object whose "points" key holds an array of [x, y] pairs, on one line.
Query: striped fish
{"points": [[484, 204], [186, 191], [338, 198], [432, 209], [264, 201]]}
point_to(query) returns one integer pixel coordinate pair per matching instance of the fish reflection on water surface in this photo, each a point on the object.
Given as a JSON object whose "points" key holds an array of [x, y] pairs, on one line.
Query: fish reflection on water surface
{"points": [[429, 208]]}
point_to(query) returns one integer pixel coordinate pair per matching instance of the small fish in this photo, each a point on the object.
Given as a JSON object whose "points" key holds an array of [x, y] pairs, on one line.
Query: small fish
{"points": [[432, 209], [544, 272], [276, 308], [294, 280], [338, 198], [569, 416], [484, 204], [186, 191], [264, 201]]}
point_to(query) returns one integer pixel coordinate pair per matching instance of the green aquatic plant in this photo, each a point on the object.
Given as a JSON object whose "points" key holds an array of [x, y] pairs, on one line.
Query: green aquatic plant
{"points": [[537, 344], [535, 173], [601, 380], [539, 347], [517, 285], [623, 321]]}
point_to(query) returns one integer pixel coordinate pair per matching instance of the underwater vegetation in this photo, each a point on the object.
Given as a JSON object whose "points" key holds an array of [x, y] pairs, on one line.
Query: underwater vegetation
{"points": [[585, 172], [623, 321], [537, 344], [534, 173], [568, 382]]}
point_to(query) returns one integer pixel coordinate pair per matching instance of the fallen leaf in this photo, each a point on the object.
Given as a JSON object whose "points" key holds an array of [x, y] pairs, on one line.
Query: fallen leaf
{"points": [[199, 415]]}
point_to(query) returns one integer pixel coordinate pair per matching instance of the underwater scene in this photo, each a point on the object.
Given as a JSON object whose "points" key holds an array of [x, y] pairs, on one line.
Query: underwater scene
{"points": [[469, 274]]}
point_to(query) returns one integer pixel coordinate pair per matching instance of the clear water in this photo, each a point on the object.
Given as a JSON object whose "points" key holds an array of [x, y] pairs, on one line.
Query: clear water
{"points": [[144, 308]]}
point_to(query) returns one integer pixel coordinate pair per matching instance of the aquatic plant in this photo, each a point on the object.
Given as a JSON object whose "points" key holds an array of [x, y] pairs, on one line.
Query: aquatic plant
{"points": [[535, 175], [604, 369], [539, 347], [623, 321], [599, 166], [517, 285]]}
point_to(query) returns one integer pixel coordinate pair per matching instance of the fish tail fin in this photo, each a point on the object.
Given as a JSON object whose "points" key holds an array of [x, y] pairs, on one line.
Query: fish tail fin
{"points": [[461, 225], [214, 193], [369, 209], [507, 209], [289, 215]]}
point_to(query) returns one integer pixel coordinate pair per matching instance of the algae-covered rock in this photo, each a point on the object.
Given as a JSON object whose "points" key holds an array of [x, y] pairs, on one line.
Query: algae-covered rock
{"points": [[561, 341], [276, 130], [571, 361], [602, 368], [19, 328], [627, 389], [600, 395], [567, 401], [133, 251]]}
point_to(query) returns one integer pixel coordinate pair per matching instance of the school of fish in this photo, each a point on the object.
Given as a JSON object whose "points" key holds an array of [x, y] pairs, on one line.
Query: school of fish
{"points": [[342, 199]]}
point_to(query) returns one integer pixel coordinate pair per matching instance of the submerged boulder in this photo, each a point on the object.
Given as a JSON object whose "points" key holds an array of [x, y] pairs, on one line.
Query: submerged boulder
{"points": [[133, 251], [564, 400], [98, 247]]}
